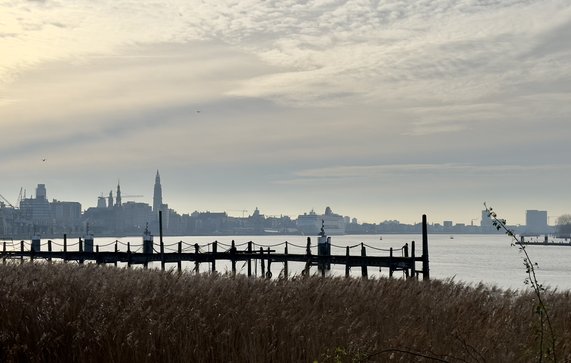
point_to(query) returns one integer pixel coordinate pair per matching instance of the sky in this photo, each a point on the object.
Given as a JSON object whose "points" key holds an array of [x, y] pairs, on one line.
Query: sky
{"points": [[381, 110]]}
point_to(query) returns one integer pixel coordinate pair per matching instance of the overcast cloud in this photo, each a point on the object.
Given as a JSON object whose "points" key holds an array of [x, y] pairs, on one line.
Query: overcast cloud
{"points": [[380, 109]]}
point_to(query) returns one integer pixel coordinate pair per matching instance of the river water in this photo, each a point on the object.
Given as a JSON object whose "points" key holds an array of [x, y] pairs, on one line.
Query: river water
{"points": [[471, 259]]}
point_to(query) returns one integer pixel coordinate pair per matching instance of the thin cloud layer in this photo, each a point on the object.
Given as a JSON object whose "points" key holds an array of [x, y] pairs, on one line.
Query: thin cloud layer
{"points": [[287, 91]]}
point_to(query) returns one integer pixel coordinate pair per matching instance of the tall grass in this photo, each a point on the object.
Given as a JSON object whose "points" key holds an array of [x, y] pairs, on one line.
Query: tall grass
{"points": [[65, 312]]}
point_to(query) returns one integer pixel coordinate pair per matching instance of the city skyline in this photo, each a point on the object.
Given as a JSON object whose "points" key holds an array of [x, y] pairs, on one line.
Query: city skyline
{"points": [[115, 198], [381, 110]]}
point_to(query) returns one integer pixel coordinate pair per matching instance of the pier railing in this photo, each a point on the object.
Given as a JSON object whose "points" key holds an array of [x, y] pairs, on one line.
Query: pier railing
{"points": [[403, 259]]}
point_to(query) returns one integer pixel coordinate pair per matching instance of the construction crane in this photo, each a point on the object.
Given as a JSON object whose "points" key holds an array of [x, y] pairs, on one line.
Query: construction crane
{"points": [[244, 211], [7, 202]]}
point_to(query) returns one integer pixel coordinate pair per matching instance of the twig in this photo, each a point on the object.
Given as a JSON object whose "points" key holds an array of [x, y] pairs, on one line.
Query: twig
{"points": [[538, 289]]}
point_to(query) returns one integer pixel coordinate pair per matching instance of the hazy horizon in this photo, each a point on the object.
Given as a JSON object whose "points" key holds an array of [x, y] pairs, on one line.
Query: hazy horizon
{"points": [[380, 110]]}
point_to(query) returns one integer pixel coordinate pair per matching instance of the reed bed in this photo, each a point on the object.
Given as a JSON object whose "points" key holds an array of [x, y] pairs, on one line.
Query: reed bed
{"points": [[65, 312]]}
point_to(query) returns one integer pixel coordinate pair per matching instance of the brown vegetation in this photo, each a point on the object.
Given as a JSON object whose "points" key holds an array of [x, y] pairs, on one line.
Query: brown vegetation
{"points": [[90, 313]]}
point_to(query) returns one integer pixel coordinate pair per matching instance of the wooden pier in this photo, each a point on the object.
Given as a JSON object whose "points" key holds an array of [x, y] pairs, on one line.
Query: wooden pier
{"points": [[402, 259]]}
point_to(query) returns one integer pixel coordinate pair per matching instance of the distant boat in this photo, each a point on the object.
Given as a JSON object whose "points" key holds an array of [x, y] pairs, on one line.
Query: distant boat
{"points": [[381, 238], [310, 223], [546, 242], [451, 237]]}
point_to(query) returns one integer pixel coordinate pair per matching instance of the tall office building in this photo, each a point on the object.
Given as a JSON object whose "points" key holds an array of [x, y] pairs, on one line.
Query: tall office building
{"points": [[536, 222], [157, 195]]}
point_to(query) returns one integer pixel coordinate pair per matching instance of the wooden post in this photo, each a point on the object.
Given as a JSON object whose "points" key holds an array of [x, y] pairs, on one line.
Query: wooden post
{"points": [[413, 268], [128, 254], [97, 259], [50, 250], [22, 251], [305, 271], [364, 272], [286, 272], [263, 266], [233, 257], [213, 255], [179, 262], [65, 248], [80, 242], [32, 252], [162, 255], [391, 268], [196, 263], [347, 266], [269, 272], [4, 252], [406, 255], [116, 256], [250, 258], [161, 240], [425, 266]]}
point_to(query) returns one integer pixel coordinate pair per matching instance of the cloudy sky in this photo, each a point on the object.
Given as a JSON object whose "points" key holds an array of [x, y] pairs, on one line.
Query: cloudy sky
{"points": [[379, 109]]}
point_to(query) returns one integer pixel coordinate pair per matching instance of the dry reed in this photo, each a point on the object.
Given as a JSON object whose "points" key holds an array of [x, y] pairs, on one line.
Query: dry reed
{"points": [[65, 312]]}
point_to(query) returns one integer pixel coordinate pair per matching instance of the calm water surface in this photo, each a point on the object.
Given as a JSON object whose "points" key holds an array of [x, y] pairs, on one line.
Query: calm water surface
{"points": [[472, 259]]}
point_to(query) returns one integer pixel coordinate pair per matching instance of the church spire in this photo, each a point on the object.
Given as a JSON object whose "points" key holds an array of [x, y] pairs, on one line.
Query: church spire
{"points": [[118, 195]]}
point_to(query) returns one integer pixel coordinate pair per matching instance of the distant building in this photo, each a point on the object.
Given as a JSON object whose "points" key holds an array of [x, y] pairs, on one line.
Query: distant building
{"points": [[118, 196], [536, 222], [157, 195], [38, 211], [101, 202]]}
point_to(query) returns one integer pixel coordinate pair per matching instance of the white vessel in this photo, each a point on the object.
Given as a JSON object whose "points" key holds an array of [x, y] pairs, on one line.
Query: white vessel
{"points": [[310, 223]]}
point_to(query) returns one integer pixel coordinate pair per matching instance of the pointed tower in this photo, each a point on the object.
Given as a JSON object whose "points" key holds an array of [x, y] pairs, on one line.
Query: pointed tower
{"points": [[110, 200], [118, 196], [158, 194]]}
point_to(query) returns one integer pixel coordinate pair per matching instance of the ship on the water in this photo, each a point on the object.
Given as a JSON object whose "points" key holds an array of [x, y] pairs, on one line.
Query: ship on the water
{"points": [[310, 223]]}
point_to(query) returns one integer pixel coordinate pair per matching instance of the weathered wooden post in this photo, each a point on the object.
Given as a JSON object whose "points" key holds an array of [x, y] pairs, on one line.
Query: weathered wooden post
{"points": [[347, 266], [88, 241], [305, 271], [425, 266], [161, 240], [4, 252], [32, 251], [179, 262], [162, 256], [21, 251], [196, 262], [65, 248], [262, 264], [213, 255], [80, 248], [36, 243], [269, 272], [364, 272], [250, 258], [406, 255], [286, 271], [391, 268], [413, 257], [50, 250], [233, 257], [128, 254], [116, 255]]}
